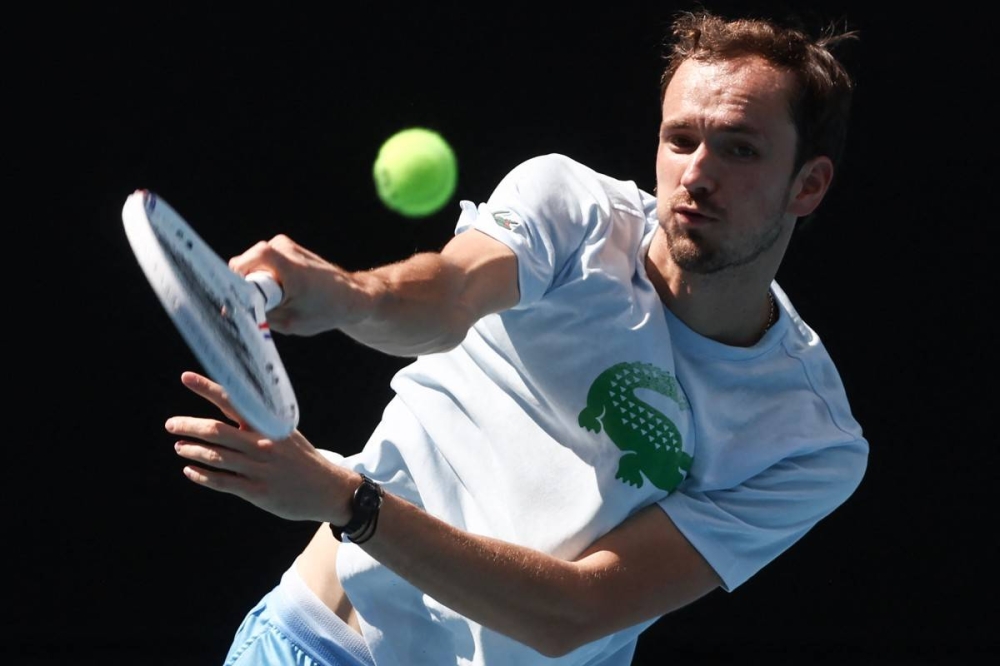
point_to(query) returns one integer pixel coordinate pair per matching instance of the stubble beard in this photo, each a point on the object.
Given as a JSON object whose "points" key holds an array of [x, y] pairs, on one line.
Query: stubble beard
{"points": [[695, 252]]}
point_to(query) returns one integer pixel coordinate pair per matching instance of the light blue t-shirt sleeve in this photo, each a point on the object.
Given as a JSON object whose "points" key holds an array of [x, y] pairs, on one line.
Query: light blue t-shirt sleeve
{"points": [[543, 209], [741, 529]]}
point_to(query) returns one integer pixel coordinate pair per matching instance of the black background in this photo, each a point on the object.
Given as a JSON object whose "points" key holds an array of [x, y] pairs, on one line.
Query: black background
{"points": [[267, 120]]}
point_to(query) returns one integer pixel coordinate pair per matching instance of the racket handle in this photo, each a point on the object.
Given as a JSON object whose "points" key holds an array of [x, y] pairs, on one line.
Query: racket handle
{"points": [[269, 288]]}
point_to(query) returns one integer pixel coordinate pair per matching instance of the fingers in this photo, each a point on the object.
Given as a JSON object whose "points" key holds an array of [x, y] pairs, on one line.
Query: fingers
{"points": [[221, 481], [224, 457], [265, 255], [251, 258], [218, 435], [214, 393], [207, 430], [289, 478], [204, 386], [217, 457]]}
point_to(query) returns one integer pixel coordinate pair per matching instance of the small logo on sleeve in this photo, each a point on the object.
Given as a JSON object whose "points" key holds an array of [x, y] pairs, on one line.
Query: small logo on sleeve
{"points": [[506, 219]]}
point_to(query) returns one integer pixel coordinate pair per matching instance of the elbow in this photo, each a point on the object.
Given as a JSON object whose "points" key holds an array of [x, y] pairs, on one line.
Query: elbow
{"points": [[453, 327], [553, 649], [558, 639], [454, 333], [451, 334], [560, 633], [442, 334]]}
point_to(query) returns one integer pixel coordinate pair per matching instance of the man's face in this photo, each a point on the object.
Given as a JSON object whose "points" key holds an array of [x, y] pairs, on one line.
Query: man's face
{"points": [[724, 164]]}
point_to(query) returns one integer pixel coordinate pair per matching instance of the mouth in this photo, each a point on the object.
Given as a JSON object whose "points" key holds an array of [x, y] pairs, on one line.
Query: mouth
{"points": [[692, 216]]}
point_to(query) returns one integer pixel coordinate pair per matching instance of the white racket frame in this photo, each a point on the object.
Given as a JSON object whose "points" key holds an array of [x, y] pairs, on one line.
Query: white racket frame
{"points": [[150, 223]]}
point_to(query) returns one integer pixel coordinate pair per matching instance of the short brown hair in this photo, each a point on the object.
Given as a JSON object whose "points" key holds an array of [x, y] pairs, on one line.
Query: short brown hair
{"points": [[819, 108]]}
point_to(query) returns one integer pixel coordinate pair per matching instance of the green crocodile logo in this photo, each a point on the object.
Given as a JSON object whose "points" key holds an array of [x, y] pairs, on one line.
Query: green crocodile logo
{"points": [[651, 442]]}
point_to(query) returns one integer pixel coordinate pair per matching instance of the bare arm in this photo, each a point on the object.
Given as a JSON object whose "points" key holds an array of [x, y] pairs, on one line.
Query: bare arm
{"points": [[423, 304], [638, 571], [642, 569]]}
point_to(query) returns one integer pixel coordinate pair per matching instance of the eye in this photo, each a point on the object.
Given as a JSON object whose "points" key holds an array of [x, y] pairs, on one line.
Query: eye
{"points": [[680, 143], [743, 150]]}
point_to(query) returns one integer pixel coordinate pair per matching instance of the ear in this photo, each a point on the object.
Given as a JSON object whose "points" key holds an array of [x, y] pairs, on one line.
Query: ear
{"points": [[810, 186]]}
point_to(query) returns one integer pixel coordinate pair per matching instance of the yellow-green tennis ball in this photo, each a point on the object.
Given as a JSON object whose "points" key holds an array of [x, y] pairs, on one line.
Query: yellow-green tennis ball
{"points": [[415, 172]]}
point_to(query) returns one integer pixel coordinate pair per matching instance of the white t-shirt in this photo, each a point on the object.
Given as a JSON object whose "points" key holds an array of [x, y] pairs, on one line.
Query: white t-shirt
{"points": [[557, 419]]}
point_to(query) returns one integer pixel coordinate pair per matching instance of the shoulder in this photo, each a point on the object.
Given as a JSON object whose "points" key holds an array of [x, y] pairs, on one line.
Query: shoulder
{"points": [[556, 182], [552, 165], [550, 175], [803, 346]]}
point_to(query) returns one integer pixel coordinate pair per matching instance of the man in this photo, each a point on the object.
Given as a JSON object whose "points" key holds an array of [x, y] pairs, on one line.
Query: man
{"points": [[614, 409]]}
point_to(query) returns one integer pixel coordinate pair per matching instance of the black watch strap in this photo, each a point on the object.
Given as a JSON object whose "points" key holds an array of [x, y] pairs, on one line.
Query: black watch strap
{"points": [[365, 505]]}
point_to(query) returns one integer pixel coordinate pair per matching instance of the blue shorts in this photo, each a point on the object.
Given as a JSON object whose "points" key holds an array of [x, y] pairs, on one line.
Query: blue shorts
{"points": [[290, 626]]}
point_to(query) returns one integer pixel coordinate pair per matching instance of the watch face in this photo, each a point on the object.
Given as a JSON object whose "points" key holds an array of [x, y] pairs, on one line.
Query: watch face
{"points": [[369, 497], [369, 500]]}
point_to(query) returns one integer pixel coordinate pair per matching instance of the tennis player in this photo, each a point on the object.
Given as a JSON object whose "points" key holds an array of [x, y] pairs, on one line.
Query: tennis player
{"points": [[613, 408]]}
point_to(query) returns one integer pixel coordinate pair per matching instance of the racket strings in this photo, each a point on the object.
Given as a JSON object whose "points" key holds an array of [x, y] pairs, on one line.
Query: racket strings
{"points": [[218, 313]]}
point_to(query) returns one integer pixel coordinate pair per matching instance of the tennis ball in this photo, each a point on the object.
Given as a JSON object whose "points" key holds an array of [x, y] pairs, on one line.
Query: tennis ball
{"points": [[415, 172]]}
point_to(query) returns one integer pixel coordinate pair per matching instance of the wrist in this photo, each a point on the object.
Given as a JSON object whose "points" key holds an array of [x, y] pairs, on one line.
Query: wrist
{"points": [[365, 505], [368, 290]]}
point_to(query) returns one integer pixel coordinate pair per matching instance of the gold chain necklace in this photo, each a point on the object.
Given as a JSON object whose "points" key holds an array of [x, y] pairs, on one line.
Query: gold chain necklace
{"points": [[770, 316]]}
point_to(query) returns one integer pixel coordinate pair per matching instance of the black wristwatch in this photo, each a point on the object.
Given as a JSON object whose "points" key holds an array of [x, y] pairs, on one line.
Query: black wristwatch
{"points": [[365, 504]]}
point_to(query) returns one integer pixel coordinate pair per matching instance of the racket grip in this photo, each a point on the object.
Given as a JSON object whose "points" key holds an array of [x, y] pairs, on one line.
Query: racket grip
{"points": [[269, 288]]}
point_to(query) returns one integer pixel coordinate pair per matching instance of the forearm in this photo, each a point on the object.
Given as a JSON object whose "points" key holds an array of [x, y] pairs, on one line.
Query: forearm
{"points": [[412, 307], [428, 302], [421, 305], [539, 600]]}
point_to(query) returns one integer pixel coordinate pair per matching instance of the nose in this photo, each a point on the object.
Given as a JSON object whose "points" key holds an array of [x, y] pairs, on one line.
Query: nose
{"points": [[698, 173]]}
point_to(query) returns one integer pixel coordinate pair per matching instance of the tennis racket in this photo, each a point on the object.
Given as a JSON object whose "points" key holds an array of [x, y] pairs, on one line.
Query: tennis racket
{"points": [[221, 315]]}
